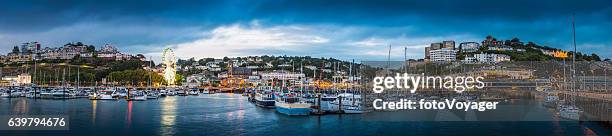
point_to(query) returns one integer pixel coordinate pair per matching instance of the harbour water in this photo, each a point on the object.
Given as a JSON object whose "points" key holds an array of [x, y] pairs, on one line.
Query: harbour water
{"points": [[232, 114]]}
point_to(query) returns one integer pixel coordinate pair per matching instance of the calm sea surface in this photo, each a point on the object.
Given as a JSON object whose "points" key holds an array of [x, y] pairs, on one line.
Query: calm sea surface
{"points": [[232, 114]]}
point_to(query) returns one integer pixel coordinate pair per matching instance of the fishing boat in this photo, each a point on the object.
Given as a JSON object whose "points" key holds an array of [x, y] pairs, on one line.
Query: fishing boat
{"points": [[264, 98], [290, 104]]}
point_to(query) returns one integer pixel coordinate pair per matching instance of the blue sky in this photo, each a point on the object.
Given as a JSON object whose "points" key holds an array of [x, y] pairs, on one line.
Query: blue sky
{"points": [[344, 29]]}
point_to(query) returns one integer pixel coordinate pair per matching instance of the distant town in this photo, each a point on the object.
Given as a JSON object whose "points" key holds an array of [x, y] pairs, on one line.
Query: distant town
{"points": [[83, 64], [492, 50]]}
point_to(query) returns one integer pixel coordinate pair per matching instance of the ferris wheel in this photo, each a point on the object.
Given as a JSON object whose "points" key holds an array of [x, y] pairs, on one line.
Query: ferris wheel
{"points": [[169, 63]]}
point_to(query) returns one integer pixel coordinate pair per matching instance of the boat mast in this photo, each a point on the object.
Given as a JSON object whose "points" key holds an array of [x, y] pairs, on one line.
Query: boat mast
{"points": [[574, 60]]}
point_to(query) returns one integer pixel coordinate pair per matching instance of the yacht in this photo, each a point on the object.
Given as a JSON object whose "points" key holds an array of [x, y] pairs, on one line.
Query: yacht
{"points": [[551, 99], [139, 96], [351, 103], [163, 93], [151, 94], [290, 104], [326, 103], [62, 94], [104, 95], [181, 92], [193, 91], [171, 93], [264, 98], [46, 94], [12, 93], [570, 112], [206, 91], [33, 93], [121, 93]]}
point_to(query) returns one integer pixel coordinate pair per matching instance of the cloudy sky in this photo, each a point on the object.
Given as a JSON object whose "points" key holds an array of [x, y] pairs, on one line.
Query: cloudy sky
{"points": [[344, 29]]}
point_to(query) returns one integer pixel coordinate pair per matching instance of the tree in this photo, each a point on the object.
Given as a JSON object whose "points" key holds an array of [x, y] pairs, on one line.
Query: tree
{"points": [[15, 49], [91, 48], [595, 57]]}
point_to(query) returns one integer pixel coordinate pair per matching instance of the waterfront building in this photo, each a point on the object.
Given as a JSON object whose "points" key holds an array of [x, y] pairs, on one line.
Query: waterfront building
{"points": [[19, 80], [469, 46], [444, 54]]}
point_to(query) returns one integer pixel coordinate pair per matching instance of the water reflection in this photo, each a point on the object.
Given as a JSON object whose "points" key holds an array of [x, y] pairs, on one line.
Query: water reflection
{"points": [[129, 114], [168, 116], [94, 106], [21, 106]]}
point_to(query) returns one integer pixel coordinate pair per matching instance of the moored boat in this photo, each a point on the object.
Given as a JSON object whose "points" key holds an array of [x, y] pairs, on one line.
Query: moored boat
{"points": [[264, 98], [104, 95], [290, 104], [350, 103], [139, 96]]}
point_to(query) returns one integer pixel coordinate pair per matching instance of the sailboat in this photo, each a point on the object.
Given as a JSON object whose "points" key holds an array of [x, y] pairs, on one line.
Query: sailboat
{"points": [[349, 102], [572, 112], [150, 94]]}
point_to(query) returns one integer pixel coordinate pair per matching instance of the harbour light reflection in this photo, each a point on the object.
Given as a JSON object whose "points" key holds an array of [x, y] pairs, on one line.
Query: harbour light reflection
{"points": [[94, 106], [129, 114], [168, 116]]}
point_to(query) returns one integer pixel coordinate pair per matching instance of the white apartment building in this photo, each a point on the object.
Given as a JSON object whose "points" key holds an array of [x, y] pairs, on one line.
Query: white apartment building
{"points": [[491, 58], [444, 54]]}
